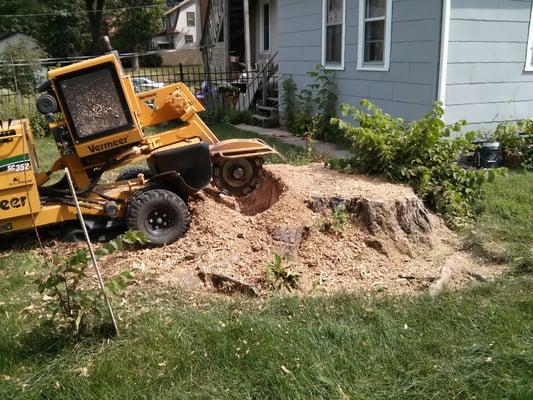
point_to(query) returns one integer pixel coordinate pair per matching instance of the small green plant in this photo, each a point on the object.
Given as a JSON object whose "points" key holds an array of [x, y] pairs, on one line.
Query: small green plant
{"points": [[336, 221], [423, 153], [288, 101], [517, 151], [69, 299], [279, 276]]}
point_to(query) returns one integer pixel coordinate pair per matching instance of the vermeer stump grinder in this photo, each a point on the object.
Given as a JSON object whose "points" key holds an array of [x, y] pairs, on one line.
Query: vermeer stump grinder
{"points": [[98, 123]]}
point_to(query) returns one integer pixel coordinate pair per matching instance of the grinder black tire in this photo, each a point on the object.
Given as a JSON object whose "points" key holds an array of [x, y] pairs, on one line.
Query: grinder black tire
{"points": [[237, 176], [133, 173], [161, 215]]}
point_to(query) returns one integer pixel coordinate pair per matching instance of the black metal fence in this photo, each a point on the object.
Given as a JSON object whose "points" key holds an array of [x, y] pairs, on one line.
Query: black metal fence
{"points": [[218, 88]]}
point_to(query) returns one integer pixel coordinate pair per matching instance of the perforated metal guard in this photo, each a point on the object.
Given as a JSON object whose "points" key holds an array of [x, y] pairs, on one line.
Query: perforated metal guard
{"points": [[94, 103]]}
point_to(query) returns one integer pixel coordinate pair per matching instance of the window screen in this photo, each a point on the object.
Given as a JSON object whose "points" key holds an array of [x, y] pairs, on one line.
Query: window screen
{"points": [[334, 21], [266, 26], [94, 102], [375, 30]]}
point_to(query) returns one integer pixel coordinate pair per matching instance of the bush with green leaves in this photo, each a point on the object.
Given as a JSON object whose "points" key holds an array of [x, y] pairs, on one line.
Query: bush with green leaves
{"points": [[308, 111], [517, 150], [16, 106], [20, 69], [73, 301], [423, 153]]}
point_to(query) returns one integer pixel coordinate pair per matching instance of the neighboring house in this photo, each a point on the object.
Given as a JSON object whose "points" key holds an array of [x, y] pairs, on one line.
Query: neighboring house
{"points": [[17, 39], [473, 55], [181, 27], [246, 32]]}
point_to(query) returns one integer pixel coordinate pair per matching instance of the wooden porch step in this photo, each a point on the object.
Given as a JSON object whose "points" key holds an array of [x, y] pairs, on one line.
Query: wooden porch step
{"points": [[271, 110]]}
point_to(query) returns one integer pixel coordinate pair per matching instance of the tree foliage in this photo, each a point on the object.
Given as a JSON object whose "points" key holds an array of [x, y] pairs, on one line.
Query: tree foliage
{"points": [[134, 26]]}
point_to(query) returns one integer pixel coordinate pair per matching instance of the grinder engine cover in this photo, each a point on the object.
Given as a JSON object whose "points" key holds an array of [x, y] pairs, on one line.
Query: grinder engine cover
{"points": [[183, 170]]}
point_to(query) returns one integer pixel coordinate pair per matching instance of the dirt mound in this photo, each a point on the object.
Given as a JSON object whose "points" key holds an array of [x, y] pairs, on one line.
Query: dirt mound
{"points": [[338, 231]]}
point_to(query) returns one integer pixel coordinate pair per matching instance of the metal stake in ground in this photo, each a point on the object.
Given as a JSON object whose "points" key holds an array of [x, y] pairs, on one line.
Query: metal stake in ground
{"points": [[91, 251]]}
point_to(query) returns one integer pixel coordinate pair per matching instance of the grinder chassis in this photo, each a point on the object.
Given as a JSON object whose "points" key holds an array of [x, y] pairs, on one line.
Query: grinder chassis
{"points": [[98, 123]]}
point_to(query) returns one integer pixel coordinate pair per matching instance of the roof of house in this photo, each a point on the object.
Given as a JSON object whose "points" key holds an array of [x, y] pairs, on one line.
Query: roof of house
{"points": [[7, 35], [177, 7]]}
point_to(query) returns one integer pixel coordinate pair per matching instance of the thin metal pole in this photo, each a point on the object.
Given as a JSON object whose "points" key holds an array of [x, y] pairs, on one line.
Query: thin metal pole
{"points": [[91, 251], [247, 47]]}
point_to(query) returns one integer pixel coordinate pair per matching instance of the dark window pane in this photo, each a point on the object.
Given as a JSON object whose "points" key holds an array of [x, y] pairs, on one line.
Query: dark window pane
{"points": [[374, 31], [334, 44], [334, 12], [375, 8], [266, 27], [374, 52], [190, 19]]}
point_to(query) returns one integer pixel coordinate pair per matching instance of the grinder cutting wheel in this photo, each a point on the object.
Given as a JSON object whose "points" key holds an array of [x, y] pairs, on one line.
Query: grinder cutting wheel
{"points": [[98, 123]]}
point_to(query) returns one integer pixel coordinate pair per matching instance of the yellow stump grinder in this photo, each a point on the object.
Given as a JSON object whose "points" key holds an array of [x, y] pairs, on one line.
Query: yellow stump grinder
{"points": [[98, 123]]}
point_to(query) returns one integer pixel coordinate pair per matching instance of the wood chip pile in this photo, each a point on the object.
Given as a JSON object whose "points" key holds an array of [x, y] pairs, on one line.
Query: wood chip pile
{"points": [[390, 242]]}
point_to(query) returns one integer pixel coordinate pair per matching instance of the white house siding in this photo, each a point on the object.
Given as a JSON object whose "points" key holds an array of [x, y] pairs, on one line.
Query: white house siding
{"points": [[486, 81], [407, 90], [183, 29]]}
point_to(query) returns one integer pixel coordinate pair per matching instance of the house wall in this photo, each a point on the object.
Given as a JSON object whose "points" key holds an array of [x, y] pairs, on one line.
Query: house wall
{"points": [[486, 81], [18, 39], [183, 29], [262, 57], [410, 86]]}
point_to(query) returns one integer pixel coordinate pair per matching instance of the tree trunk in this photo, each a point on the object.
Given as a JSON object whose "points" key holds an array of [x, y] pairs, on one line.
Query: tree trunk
{"points": [[135, 59], [95, 15]]}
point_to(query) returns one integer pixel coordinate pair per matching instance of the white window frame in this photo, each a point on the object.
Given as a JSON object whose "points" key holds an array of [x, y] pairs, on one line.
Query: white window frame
{"points": [[262, 26], [185, 39], [187, 13], [333, 66], [529, 53], [361, 66]]}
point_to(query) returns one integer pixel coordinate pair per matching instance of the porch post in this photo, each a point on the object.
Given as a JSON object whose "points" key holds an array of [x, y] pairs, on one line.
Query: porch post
{"points": [[247, 51], [226, 34]]}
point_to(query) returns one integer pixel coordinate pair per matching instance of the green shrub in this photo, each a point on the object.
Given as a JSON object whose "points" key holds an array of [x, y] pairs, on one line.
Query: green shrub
{"points": [[422, 153], [23, 107], [234, 116], [516, 149], [309, 111], [20, 77], [68, 298]]}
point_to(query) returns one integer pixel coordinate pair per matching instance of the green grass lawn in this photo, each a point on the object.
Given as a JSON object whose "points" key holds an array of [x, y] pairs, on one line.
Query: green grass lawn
{"points": [[472, 343], [475, 343], [504, 226]]}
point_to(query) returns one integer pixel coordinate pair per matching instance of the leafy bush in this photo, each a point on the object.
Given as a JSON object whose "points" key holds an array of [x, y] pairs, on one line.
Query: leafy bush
{"points": [[422, 153], [67, 296], [309, 111], [20, 69], [516, 150], [17, 106]]}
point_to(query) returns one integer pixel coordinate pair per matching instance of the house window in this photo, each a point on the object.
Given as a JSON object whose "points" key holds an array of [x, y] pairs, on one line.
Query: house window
{"points": [[190, 18], [529, 52], [166, 23], [375, 23], [333, 33], [265, 26], [189, 39]]}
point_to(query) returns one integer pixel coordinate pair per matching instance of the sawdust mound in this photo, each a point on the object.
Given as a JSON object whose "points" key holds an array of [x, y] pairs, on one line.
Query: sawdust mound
{"points": [[389, 242]]}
